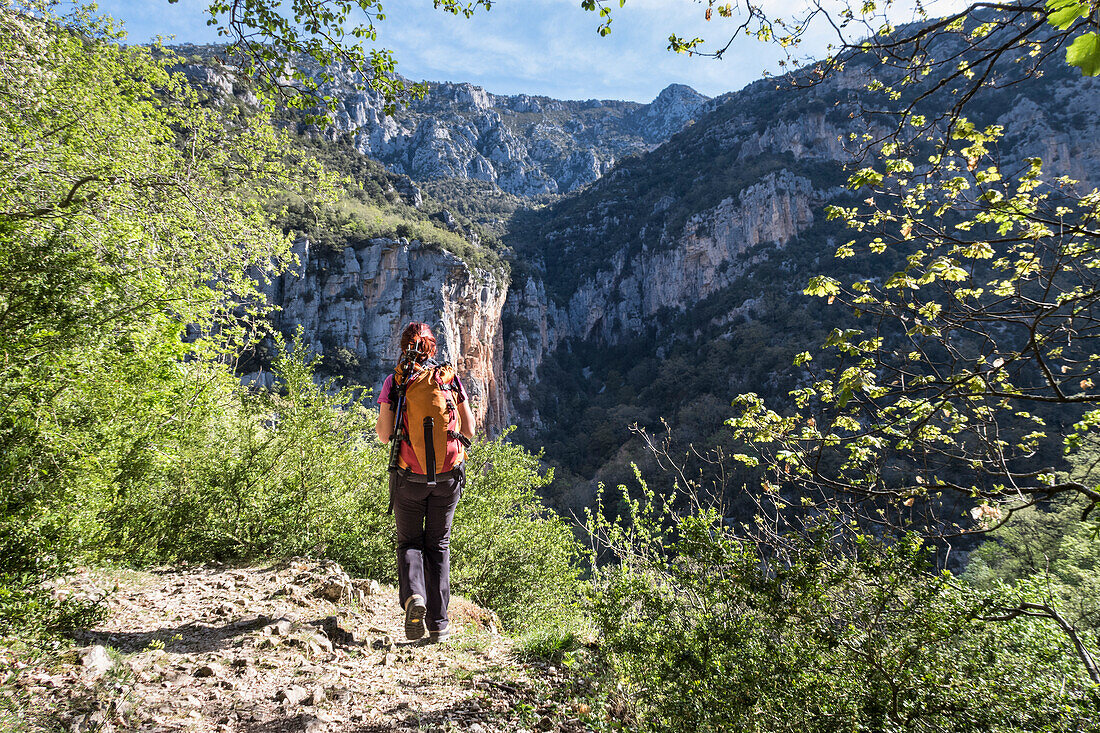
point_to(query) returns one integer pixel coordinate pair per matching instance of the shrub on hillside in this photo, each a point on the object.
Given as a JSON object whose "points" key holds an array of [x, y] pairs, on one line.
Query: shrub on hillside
{"points": [[510, 552], [294, 471], [824, 630], [124, 269], [1052, 545]]}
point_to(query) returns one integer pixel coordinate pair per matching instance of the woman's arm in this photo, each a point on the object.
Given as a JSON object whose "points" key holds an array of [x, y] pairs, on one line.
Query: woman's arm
{"points": [[384, 426], [467, 426]]}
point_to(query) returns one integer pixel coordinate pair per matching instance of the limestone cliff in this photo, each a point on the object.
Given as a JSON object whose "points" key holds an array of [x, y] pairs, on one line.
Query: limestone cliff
{"points": [[353, 304], [620, 300], [708, 253]]}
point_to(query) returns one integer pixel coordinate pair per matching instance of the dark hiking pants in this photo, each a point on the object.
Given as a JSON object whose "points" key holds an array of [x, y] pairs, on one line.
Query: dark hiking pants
{"points": [[424, 515]]}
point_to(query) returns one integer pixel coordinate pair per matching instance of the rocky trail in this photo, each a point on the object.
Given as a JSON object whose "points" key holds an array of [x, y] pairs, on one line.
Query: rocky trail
{"points": [[294, 647]]}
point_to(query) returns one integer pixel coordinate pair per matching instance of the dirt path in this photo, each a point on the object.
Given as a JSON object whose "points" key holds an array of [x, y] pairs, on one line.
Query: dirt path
{"points": [[295, 647]]}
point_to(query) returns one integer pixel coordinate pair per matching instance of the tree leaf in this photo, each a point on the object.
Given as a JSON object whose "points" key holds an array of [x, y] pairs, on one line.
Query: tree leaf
{"points": [[1064, 12], [1084, 53]]}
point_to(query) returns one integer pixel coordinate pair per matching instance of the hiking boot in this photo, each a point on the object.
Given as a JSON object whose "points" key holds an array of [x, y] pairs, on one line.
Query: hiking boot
{"points": [[415, 610], [438, 637]]}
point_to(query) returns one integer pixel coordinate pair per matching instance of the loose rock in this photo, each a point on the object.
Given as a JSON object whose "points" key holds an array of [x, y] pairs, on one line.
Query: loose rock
{"points": [[335, 632], [318, 644], [292, 695], [269, 667], [208, 670], [96, 660], [369, 587], [334, 589], [279, 628]]}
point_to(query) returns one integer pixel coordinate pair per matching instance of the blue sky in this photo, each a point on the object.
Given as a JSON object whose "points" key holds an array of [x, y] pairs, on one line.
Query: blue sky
{"points": [[545, 47]]}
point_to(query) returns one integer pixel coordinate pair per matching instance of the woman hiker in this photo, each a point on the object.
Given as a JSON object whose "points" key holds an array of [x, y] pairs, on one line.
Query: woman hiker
{"points": [[436, 426]]}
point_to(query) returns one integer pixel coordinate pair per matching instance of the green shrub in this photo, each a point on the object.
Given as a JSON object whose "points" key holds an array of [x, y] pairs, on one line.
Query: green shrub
{"points": [[125, 273], [29, 610], [510, 553], [1052, 546], [825, 630], [260, 474]]}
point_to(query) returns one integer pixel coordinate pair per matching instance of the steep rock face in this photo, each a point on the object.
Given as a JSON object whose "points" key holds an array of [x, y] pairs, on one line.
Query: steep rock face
{"points": [[811, 136], [620, 300], [669, 112], [1064, 131], [353, 305], [706, 255], [526, 145], [527, 340]]}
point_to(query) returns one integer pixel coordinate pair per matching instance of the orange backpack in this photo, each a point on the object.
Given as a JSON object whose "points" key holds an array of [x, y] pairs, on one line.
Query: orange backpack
{"points": [[430, 420]]}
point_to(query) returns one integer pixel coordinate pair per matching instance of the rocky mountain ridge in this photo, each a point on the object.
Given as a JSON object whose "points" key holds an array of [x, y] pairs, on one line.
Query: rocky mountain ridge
{"points": [[524, 144]]}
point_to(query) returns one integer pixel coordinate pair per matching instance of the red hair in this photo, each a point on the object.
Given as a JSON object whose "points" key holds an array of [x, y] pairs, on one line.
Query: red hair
{"points": [[420, 334]]}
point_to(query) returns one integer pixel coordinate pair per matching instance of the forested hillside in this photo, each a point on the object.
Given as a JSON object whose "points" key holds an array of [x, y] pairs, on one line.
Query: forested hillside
{"points": [[676, 282]]}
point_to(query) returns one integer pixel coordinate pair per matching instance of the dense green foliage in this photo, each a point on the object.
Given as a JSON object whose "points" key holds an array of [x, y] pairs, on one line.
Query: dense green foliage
{"points": [[948, 392], [119, 291], [258, 474], [710, 630], [1052, 549], [511, 553]]}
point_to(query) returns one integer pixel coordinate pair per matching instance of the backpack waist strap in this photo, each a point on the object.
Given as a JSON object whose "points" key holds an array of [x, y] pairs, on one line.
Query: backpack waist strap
{"points": [[419, 478]]}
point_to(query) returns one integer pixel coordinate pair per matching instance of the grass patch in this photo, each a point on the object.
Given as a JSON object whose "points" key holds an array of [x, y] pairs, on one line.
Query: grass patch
{"points": [[555, 642]]}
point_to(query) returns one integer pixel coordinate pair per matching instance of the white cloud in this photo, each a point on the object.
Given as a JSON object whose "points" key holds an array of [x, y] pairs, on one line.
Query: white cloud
{"points": [[551, 47], [540, 46]]}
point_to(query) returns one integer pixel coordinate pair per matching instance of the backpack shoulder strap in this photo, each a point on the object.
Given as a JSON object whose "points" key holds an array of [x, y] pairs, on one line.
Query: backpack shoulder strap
{"points": [[445, 376]]}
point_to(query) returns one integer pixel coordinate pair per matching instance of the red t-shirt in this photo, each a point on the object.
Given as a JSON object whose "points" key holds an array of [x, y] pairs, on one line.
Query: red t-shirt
{"points": [[386, 395]]}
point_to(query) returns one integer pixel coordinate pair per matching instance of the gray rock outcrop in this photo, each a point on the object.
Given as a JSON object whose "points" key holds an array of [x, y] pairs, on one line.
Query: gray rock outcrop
{"points": [[355, 302], [525, 145]]}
